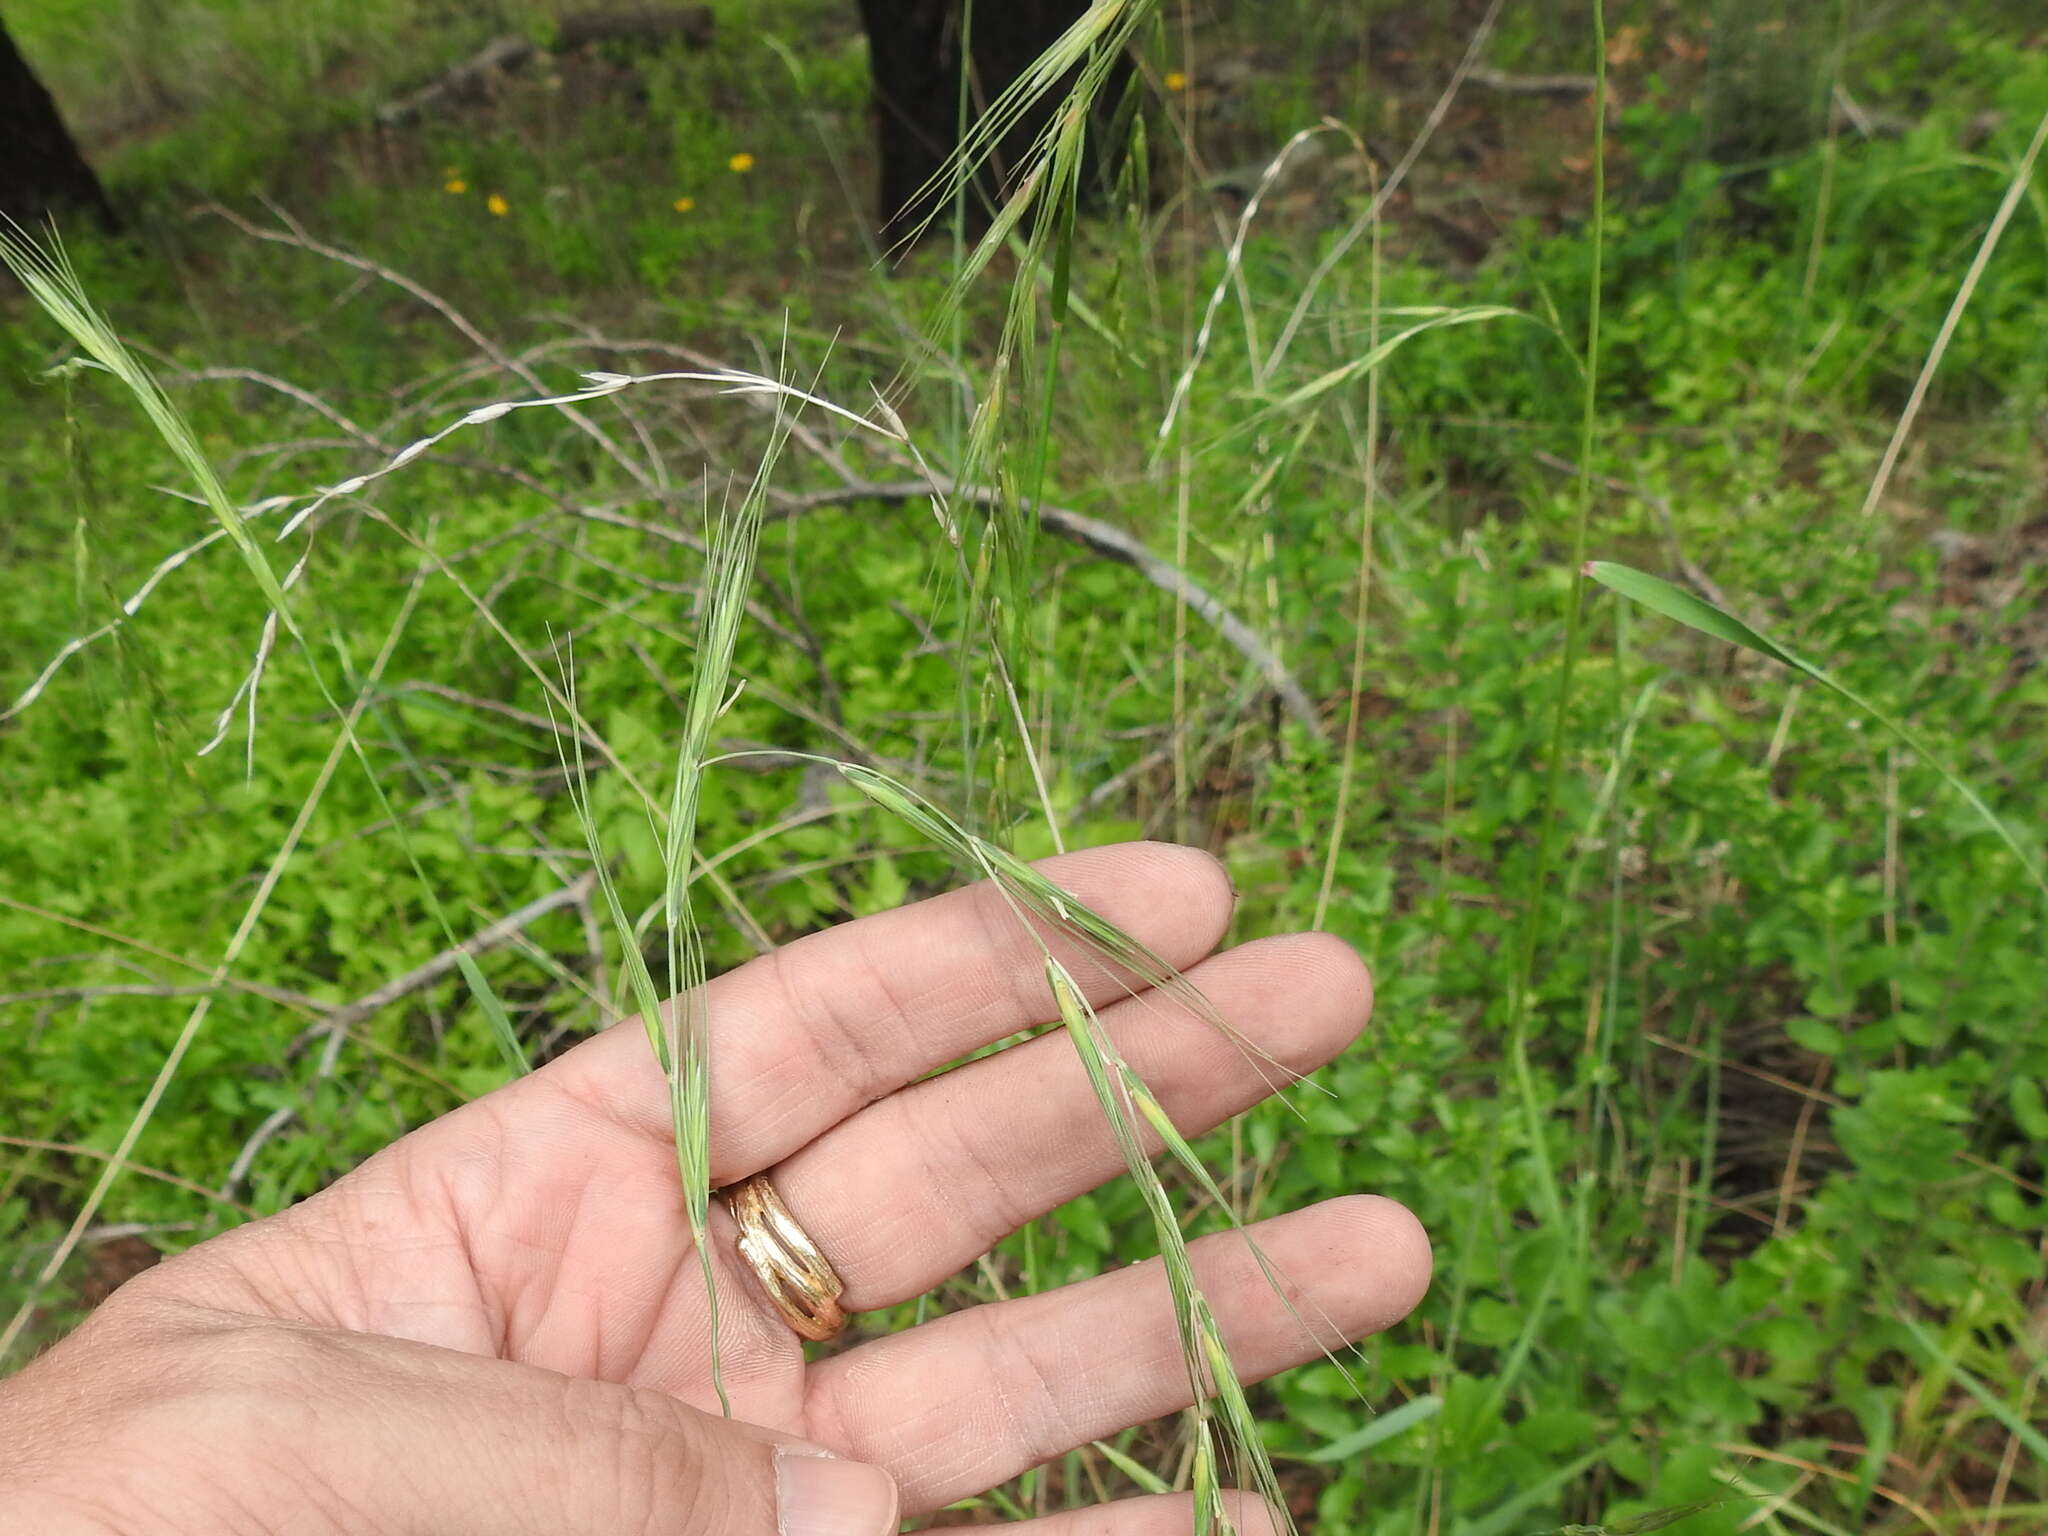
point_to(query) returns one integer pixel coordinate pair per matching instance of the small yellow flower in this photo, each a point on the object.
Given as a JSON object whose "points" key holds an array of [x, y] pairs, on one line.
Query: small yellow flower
{"points": [[740, 163], [685, 204], [456, 185], [1176, 81], [498, 206], [451, 171]]}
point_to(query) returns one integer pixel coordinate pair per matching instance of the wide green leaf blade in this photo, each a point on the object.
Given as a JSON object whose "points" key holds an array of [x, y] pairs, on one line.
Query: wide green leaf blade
{"points": [[1659, 595], [494, 1012], [1383, 1427], [1696, 613]]}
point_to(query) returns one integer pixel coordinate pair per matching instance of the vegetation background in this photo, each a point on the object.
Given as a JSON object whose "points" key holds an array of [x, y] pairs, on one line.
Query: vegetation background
{"points": [[1710, 1042]]}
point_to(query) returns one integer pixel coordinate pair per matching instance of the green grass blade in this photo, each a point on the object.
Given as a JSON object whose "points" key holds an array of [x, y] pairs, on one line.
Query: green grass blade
{"points": [[1384, 1427], [1675, 603], [1372, 357], [1660, 596], [1134, 1469], [1507, 1518], [2027, 1434], [494, 1012]]}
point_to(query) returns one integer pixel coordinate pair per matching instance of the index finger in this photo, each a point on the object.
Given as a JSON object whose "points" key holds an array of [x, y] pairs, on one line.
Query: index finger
{"points": [[806, 1035]]}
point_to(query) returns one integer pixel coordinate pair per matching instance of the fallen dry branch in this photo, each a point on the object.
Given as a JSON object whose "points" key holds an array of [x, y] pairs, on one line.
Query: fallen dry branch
{"points": [[291, 233], [691, 26], [1098, 538], [73, 1149], [1531, 85], [88, 993], [336, 1025]]}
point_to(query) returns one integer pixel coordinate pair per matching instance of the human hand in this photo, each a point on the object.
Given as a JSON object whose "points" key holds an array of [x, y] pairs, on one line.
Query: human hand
{"points": [[497, 1325]]}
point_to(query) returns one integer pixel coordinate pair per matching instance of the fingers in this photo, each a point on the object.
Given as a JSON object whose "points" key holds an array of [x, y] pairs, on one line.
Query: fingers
{"points": [[805, 1036], [958, 1405], [908, 1191]]}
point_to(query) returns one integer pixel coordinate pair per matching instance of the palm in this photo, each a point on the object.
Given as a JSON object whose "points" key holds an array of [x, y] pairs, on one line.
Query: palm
{"points": [[542, 1224]]}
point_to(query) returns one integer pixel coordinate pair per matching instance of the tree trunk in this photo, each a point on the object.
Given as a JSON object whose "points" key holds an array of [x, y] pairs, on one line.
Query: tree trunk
{"points": [[914, 59], [42, 174]]}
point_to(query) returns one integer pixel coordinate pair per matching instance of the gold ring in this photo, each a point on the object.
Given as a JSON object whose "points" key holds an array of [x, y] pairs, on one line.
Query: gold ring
{"points": [[796, 1276]]}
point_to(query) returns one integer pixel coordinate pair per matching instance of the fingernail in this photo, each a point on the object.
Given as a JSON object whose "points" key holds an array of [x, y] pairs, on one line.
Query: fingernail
{"points": [[823, 1495]]}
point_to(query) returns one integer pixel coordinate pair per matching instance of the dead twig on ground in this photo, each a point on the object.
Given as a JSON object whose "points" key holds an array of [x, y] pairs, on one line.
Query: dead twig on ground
{"points": [[1530, 85], [293, 234], [72, 1149], [502, 55], [1098, 538], [335, 1027]]}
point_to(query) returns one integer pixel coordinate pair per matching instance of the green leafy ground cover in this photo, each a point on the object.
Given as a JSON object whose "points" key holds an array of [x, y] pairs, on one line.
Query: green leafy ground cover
{"points": [[1738, 1199]]}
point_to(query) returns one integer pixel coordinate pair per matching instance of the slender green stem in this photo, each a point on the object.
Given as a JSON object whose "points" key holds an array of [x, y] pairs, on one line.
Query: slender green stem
{"points": [[1533, 907], [1358, 627]]}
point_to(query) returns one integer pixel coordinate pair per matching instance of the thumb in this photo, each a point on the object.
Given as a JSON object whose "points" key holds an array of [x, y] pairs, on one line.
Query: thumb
{"points": [[308, 1431]]}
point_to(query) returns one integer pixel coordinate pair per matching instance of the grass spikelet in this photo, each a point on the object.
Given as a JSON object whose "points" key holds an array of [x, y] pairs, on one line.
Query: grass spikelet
{"points": [[1033, 895], [679, 1033], [1092, 43], [1212, 1380], [51, 281], [1208, 1497], [1121, 1094]]}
